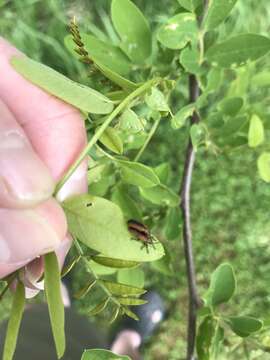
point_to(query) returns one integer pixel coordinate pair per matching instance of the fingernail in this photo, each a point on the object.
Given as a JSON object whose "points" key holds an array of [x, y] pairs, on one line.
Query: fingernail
{"points": [[24, 179]]}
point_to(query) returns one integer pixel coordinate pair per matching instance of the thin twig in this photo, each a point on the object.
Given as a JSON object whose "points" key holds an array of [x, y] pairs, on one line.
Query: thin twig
{"points": [[194, 300], [187, 231]]}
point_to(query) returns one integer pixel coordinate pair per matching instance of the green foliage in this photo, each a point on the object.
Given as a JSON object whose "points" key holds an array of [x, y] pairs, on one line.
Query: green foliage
{"points": [[264, 166], [93, 219], [52, 278], [238, 50], [80, 96], [178, 31], [229, 202], [217, 13], [97, 354], [222, 286], [133, 30], [244, 326], [14, 322]]}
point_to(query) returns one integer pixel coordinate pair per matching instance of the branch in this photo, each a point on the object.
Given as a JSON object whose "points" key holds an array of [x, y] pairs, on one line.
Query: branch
{"points": [[194, 300]]}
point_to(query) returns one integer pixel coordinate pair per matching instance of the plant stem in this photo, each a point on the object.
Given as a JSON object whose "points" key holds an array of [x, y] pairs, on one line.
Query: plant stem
{"points": [[148, 139], [187, 231], [185, 190], [136, 93], [102, 286]]}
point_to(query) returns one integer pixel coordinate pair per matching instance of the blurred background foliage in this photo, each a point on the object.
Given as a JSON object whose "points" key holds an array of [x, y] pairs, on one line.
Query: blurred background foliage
{"points": [[230, 204]]}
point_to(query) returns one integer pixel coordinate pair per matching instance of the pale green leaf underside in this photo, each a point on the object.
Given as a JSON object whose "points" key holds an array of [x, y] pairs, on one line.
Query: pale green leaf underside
{"points": [[255, 132], [80, 96], [138, 174], [99, 223]]}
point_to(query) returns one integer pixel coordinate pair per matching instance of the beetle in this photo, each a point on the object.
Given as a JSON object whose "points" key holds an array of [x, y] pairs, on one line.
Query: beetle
{"points": [[141, 233]]}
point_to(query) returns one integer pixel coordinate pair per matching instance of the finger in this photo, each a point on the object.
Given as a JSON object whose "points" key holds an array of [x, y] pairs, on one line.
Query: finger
{"points": [[34, 232], [55, 129], [24, 179]]}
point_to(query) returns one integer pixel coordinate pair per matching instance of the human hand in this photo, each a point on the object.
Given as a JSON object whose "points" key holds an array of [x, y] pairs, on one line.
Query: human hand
{"points": [[40, 137]]}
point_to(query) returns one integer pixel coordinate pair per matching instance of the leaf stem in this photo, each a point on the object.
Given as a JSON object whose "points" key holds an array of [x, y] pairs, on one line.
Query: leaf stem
{"points": [[148, 139], [136, 93], [101, 285]]}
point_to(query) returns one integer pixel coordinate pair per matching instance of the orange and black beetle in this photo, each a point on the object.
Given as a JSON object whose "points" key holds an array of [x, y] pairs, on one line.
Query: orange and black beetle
{"points": [[141, 233]]}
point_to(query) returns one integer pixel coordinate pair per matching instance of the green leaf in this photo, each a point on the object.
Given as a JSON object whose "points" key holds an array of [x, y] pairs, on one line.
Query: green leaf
{"points": [[115, 314], [85, 290], [111, 140], [70, 266], [197, 135], [238, 50], [129, 121], [178, 31], [233, 125], [222, 285], [263, 164], [179, 119], [52, 279], [132, 277], [156, 100], [205, 335], [99, 307], [213, 80], [255, 132], [119, 80], [231, 106], [190, 59], [78, 95], [14, 322], [98, 354], [122, 289], [244, 326], [114, 263], [173, 223], [160, 195], [95, 174], [133, 29], [261, 79], [101, 269], [130, 313], [217, 342], [101, 52], [163, 172], [138, 174], [129, 207], [99, 224], [190, 5], [217, 13], [131, 301]]}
